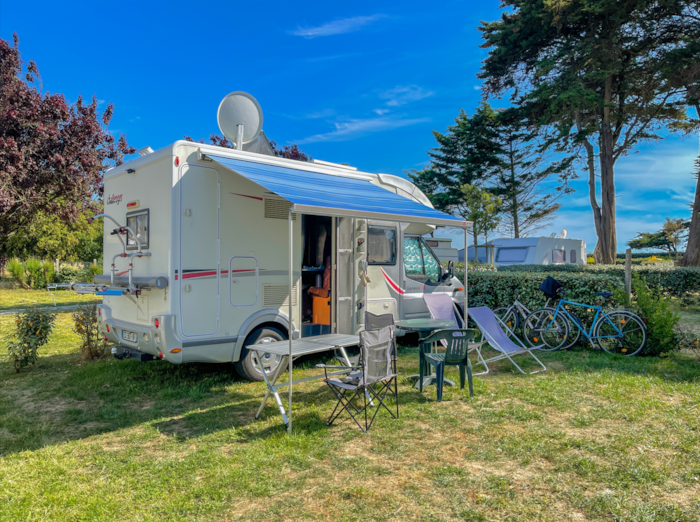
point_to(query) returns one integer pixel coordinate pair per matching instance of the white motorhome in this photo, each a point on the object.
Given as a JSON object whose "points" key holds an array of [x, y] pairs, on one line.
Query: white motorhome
{"points": [[531, 251], [205, 271]]}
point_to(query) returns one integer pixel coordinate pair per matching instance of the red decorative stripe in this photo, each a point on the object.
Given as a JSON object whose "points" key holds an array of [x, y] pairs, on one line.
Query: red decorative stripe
{"points": [[246, 196], [393, 285], [212, 273]]}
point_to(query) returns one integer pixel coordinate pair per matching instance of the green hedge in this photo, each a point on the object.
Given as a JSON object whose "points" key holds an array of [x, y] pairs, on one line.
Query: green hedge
{"points": [[495, 289], [675, 281]]}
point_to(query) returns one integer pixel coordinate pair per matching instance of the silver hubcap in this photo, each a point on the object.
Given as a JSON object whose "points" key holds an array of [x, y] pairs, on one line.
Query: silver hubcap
{"points": [[269, 361]]}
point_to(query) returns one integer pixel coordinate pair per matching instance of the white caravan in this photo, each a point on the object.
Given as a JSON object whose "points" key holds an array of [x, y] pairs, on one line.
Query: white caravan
{"points": [[442, 246], [532, 251], [204, 270]]}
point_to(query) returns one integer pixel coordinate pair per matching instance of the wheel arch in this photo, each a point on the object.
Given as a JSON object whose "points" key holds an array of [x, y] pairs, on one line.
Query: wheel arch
{"points": [[268, 317]]}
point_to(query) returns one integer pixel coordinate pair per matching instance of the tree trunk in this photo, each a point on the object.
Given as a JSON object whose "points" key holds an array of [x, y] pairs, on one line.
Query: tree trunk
{"points": [[692, 250], [606, 248], [513, 195], [591, 194]]}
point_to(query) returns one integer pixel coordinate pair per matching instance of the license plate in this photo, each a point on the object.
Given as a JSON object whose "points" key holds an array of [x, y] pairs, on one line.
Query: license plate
{"points": [[129, 336]]}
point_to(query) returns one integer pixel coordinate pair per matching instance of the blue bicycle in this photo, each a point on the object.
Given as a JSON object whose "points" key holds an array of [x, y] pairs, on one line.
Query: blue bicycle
{"points": [[617, 331]]}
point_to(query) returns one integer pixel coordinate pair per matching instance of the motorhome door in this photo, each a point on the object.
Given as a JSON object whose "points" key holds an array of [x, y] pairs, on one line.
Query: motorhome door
{"points": [[199, 274]]}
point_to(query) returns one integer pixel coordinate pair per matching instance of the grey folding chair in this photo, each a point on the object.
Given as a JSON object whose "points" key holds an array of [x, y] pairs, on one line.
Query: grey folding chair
{"points": [[441, 306], [494, 332], [371, 379], [372, 322]]}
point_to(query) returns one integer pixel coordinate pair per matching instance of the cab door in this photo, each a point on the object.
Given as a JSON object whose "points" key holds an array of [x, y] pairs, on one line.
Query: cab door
{"points": [[422, 273]]}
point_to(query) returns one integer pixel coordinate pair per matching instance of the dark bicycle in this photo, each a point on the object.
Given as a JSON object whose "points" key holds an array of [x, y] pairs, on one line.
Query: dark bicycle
{"points": [[616, 331]]}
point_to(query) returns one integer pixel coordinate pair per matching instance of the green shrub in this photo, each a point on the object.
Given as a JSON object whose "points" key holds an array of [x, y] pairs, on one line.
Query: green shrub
{"points": [[86, 326], [48, 271], [32, 330], [16, 270], [33, 269], [655, 309], [95, 270], [68, 274]]}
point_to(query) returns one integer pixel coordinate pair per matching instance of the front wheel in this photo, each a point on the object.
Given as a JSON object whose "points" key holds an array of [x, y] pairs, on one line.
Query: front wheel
{"points": [[620, 332], [542, 328], [509, 317]]}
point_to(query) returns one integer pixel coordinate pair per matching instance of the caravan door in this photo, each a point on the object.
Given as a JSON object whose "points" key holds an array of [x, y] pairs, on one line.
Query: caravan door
{"points": [[199, 275]]}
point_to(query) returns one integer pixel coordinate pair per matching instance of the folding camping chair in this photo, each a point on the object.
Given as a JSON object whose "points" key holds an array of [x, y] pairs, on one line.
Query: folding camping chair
{"points": [[441, 306], [497, 338], [368, 383]]}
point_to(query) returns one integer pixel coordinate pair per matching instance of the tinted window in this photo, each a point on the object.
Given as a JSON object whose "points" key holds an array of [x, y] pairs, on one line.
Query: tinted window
{"points": [[558, 256], [511, 255], [573, 256], [138, 222], [381, 248], [430, 264]]}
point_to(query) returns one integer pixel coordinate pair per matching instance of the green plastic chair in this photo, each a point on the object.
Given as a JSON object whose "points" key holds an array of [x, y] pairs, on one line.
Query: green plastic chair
{"points": [[455, 354]]}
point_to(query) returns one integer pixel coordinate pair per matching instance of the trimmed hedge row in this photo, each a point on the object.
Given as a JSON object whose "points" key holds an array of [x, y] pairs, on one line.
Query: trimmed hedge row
{"points": [[495, 289], [675, 281]]}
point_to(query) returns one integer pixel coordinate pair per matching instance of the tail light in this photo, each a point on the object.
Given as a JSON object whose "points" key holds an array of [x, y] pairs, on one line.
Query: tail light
{"points": [[105, 337], [160, 354], [99, 312]]}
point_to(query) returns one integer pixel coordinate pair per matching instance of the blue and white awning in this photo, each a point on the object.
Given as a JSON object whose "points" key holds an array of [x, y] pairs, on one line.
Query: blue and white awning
{"points": [[317, 193]]}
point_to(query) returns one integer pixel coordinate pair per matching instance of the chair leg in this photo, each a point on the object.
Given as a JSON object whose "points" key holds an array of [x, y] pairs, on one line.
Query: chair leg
{"points": [[440, 374], [469, 378], [421, 373], [461, 376]]}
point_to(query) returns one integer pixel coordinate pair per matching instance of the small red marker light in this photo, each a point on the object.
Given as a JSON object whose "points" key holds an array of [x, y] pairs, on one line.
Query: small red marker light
{"points": [[157, 323], [177, 161], [160, 354], [105, 337], [107, 328], [99, 311]]}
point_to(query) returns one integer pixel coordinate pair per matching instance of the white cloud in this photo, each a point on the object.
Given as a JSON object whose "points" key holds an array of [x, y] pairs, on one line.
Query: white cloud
{"points": [[352, 129], [403, 94], [381, 112], [346, 25], [101, 102], [477, 87], [134, 120]]}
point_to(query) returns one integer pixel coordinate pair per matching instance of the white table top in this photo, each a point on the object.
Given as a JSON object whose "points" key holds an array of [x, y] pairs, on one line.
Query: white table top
{"points": [[305, 346]]}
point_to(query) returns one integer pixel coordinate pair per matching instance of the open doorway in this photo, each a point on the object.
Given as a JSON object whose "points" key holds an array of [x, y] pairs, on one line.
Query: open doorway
{"points": [[316, 277]]}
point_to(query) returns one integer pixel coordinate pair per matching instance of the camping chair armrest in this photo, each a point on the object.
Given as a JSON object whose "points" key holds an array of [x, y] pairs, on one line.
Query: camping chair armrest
{"points": [[337, 367]]}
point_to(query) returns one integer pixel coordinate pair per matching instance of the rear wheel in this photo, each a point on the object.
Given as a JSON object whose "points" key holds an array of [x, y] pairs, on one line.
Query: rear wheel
{"points": [[621, 332], [250, 367], [542, 328], [509, 317]]}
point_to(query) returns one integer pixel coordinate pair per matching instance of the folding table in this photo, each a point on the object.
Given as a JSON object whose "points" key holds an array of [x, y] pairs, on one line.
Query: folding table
{"points": [[300, 347]]}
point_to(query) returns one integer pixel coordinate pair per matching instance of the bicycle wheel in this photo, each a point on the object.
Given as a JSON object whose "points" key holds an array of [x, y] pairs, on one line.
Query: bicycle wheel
{"points": [[541, 327], [508, 315], [620, 332], [575, 327]]}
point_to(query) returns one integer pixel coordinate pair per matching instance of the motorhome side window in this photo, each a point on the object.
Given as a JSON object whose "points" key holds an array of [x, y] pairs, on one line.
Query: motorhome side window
{"points": [[558, 256], [381, 248], [573, 256], [419, 262], [138, 222]]}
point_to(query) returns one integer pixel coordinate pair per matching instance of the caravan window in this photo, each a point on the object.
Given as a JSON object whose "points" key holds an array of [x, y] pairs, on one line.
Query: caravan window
{"points": [[511, 255], [138, 222], [419, 262], [381, 247], [573, 256], [558, 257]]}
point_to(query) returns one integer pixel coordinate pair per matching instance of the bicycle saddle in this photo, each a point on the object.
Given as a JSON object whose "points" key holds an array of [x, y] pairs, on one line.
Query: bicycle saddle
{"points": [[604, 294]]}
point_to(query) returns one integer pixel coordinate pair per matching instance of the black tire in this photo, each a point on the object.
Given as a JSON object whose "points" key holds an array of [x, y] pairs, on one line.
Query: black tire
{"points": [[574, 331], [509, 316], [634, 331], [245, 366], [540, 328]]}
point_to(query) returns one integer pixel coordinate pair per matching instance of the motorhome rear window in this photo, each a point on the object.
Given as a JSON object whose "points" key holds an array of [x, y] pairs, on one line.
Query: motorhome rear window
{"points": [[138, 221], [432, 244], [558, 256], [511, 255], [381, 248], [573, 256]]}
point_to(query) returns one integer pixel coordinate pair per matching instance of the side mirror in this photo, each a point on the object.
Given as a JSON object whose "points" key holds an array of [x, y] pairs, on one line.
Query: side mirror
{"points": [[451, 269]]}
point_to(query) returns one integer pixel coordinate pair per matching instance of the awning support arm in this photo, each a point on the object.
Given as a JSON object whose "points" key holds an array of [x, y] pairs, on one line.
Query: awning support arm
{"points": [[291, 322]]}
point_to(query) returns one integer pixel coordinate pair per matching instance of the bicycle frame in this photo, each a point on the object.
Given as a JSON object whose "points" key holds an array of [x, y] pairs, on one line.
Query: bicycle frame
{"points": [[574, 320]]}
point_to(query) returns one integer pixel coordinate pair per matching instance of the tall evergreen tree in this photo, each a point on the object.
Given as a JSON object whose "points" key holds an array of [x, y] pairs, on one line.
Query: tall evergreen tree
{"points": [[592, 69]]}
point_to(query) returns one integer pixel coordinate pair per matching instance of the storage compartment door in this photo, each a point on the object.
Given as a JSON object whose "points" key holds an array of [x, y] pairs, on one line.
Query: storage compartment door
{"points": [[199, 274], [244, 288]]}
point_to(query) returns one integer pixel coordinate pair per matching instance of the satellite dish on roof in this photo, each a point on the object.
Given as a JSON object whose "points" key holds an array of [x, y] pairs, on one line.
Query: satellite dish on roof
{"points": [[563, 233], [240, 114]]}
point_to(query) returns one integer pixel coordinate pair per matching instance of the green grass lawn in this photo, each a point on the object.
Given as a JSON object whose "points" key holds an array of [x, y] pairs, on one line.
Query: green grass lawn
{"points": [[595, 437], [20, 298]]}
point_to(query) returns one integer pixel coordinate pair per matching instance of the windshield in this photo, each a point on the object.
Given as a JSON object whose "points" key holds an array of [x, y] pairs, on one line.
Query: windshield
{"points": [[419, 261]]}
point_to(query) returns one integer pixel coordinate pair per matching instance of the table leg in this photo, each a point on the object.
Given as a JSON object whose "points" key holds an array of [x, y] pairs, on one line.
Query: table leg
{"points": [[271, 388]]}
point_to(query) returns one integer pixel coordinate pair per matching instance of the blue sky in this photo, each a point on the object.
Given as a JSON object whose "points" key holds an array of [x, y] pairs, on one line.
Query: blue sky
{"points": [[356, 82]]}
